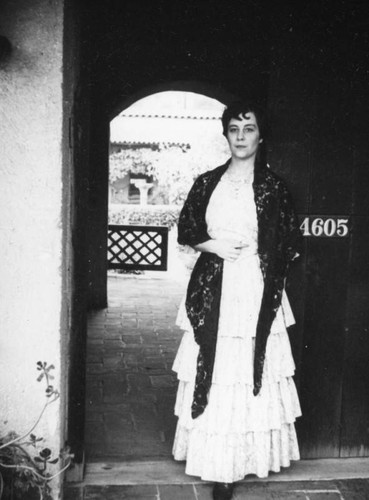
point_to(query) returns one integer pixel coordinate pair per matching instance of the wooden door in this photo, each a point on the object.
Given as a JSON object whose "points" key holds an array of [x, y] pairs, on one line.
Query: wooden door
{"points": [[321, 148]]}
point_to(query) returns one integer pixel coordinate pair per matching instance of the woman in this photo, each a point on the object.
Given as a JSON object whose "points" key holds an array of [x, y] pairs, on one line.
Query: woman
{"points": [[236, 402]]}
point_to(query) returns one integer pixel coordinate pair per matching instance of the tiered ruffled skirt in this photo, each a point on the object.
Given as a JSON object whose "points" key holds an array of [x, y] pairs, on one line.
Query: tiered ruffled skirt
{"points": [[238, 434]]}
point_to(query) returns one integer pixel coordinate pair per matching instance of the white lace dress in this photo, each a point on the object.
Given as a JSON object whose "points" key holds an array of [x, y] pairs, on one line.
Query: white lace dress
{"points": [[238, 433]]}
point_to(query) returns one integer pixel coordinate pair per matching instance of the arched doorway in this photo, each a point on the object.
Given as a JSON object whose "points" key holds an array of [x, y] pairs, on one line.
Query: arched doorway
{"points": [[131, 343], [99, 175]]}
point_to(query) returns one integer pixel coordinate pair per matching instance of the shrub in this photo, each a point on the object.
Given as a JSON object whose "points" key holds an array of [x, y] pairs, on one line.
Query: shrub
{"points": [[150, 215]]}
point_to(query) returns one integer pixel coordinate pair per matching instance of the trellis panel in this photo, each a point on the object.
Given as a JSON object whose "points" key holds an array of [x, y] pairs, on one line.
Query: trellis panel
{"points": [[138, 247]]}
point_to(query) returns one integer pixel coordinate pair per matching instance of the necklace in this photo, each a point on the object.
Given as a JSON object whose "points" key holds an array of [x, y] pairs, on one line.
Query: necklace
{"points": [[236, 183], [237, 179]]}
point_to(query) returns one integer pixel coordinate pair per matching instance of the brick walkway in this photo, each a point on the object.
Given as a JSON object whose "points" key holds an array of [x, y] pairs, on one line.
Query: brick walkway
{"points": [[130, 385], [130, 398]]}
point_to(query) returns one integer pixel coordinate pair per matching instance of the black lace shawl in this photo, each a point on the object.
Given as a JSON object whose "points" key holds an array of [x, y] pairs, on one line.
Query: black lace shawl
{"points": [[279, 239]]}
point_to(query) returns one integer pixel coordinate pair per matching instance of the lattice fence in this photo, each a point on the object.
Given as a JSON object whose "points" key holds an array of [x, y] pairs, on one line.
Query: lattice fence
{"points": [[138, 247]]}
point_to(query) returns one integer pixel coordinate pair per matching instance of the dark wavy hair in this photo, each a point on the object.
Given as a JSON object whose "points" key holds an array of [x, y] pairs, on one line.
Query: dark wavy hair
{"points": [[235, 109]]}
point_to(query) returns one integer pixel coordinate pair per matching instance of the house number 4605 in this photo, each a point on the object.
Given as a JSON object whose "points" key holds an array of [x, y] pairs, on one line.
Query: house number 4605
{"points": [[325, 226]]}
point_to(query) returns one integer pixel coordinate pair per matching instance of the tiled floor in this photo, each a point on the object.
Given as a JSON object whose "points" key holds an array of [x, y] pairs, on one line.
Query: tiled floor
{"points": [[130, 385]]}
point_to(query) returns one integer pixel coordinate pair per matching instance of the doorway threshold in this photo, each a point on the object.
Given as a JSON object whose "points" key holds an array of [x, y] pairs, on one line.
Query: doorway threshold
{"points": [[171, 472]]}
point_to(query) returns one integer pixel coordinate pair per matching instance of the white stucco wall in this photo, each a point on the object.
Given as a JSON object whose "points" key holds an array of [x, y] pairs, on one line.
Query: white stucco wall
{"points": [[30, 212]]}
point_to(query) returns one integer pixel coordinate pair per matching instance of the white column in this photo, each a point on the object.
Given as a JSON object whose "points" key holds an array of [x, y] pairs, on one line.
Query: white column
{"points": [[143, 187]]}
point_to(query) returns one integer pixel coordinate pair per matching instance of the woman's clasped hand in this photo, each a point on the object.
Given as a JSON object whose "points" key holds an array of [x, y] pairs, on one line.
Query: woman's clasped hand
{"points": [[229, 250]]}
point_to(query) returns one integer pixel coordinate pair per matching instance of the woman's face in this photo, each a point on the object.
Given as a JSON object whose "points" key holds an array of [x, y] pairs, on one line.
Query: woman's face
{"points": [[243, 136]]}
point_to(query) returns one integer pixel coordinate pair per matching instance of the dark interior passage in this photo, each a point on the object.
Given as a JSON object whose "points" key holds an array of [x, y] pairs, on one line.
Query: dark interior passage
{"points": [[130, 386]]}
